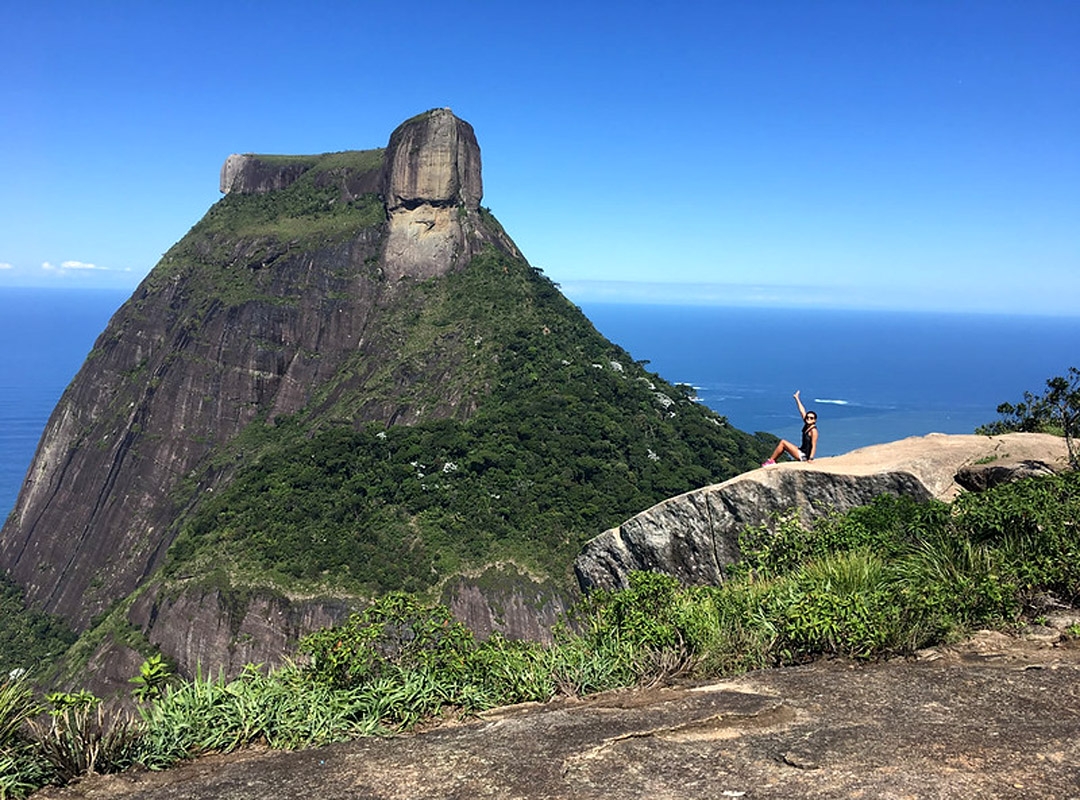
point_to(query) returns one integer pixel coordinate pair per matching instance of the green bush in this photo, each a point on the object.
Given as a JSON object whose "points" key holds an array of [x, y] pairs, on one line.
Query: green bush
{"points": [[1034, 524], [886, 526], [396, 632], [23, 768], [87, 739], [947, 584], [841, 604]]}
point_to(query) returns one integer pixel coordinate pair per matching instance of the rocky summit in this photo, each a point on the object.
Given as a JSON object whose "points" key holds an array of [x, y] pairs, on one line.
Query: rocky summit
{"points": [[344, 380]]}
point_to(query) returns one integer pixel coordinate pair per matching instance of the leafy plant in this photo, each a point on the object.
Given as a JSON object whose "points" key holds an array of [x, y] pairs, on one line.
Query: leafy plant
{"points": [[86, 740], [154, 675], [839, 605], [396, 632], [71, 701]]}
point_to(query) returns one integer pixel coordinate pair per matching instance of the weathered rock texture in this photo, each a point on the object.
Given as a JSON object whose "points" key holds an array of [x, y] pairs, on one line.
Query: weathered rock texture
{"points": [[992, 718], [502, 600], [434, 160], [433, 191], [695, 536], [251, 174]]}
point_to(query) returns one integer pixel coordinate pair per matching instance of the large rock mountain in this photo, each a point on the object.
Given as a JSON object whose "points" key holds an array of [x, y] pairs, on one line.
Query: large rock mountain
{"points": [[345, 379]]}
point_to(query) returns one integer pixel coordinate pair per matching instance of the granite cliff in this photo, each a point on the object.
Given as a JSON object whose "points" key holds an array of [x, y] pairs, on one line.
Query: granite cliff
{"points": [[247, 452]]}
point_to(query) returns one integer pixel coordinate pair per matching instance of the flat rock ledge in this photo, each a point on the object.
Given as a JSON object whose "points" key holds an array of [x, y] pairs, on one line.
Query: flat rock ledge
{"points": [[995, 717], [695, 536]]}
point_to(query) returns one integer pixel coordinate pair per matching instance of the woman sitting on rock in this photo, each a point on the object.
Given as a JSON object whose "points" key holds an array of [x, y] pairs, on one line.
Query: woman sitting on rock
{"points": [[808, 448]]}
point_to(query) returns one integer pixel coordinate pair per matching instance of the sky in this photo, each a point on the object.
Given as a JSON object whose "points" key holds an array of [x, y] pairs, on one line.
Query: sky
{"points": [[904, 154]]}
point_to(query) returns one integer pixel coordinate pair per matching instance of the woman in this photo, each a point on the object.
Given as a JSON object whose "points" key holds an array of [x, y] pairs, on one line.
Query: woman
{"points": [[808, 448]]}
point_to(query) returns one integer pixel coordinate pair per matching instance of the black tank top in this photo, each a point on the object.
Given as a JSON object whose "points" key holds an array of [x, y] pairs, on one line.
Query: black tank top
{"points": [[807, 443]]}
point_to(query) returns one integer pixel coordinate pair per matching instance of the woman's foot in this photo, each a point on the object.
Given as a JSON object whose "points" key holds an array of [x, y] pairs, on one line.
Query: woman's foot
{"points": [[767, 462]]}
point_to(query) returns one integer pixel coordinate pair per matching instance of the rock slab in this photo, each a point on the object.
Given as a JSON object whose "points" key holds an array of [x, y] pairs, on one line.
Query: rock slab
{"points": [[695, 536]]}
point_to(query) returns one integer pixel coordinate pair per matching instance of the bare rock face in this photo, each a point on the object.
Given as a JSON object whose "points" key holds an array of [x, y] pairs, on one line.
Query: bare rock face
{"points": [[503, 600], [433, 188], [239, 628], [695, 536], [980, 477], [433, 159], [250, 174]]}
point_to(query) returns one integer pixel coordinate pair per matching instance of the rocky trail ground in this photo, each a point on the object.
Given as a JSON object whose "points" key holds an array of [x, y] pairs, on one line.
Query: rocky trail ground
{"points": [[994, 717]]}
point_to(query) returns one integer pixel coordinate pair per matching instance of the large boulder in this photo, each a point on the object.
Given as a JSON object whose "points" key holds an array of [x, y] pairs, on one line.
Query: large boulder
{"points": [[432, 189], [433, 159], [695, 536]]}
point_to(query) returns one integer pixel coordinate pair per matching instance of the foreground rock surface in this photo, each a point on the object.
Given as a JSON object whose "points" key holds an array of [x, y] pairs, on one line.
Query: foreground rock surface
{"points": [[996, 717], [695, 536]]}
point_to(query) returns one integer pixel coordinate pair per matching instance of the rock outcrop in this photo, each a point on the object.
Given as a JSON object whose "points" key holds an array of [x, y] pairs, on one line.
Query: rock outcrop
{"points": [[433, 190], [176, 374], [503, 600], [252, 174], [433, 159], [695, 536]]}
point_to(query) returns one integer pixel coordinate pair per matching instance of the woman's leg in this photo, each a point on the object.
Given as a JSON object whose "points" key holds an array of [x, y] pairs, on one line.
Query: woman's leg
{"points": [[785, 447]]}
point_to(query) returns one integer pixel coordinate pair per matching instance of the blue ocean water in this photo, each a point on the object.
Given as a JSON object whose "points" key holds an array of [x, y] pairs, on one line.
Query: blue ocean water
{"points": [[872, 376], [46, 335]]}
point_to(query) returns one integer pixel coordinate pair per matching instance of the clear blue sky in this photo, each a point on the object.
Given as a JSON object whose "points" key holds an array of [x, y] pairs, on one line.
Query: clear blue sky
{"points": [[911, 154]]}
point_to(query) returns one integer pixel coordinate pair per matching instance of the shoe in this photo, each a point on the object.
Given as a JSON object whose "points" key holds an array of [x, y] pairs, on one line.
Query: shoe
{"points": [[767, 462]]}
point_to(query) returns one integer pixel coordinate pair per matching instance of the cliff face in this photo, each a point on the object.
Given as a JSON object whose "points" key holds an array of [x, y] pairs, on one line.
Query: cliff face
{"points": [[343, 380]]}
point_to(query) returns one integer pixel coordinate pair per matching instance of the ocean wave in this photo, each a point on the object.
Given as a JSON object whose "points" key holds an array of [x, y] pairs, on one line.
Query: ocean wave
{"points": [[831, 402]]}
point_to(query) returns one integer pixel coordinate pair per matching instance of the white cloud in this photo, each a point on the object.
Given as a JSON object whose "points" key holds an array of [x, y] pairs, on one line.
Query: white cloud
{"points": [[4, 265], [78, 266]]}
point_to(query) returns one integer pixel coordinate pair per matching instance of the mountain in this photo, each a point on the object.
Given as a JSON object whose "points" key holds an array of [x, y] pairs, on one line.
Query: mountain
{"points": [[344, 380]]}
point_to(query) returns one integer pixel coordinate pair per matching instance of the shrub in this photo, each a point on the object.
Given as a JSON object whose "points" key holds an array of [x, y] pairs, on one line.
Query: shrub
{"points": [[86, 739], [1034, 524], [396, 632], [838, 605], [885, 526], [22, 768]]}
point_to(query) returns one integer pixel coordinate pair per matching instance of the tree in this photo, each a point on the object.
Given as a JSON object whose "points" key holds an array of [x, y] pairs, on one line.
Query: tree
{"points": [[1057, 410]]}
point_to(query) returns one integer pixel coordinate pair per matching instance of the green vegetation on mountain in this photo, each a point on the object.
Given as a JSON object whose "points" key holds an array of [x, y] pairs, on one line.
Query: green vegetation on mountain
{"points": [[28, 637], [569, 436]]}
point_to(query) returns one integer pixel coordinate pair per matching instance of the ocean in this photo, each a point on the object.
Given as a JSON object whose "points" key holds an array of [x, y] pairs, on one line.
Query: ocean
{"points": [[871, 376]]}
